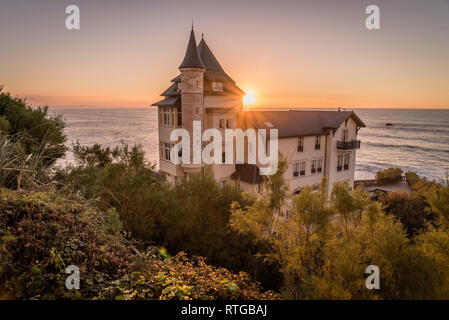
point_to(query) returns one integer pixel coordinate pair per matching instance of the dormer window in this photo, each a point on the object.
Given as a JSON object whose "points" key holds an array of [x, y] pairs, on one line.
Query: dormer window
{"points": [[178, 86], [217, 86]]}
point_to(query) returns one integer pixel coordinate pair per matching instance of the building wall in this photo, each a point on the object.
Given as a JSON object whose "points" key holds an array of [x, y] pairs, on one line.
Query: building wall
{"points": [[333, 174], [288, 148]]}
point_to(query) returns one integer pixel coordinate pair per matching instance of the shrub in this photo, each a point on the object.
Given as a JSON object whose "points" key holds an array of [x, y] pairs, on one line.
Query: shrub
{"points": [[411, 210], [389, 176], [412, 178], [42, 233], [33, 133], [190, 216]]}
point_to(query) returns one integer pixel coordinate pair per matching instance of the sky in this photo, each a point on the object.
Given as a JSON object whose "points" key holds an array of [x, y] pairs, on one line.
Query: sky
{"points": [[288, 54]]}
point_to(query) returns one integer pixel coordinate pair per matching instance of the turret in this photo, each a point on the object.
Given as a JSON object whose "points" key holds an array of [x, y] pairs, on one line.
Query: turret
{"points": [[192, 96]]}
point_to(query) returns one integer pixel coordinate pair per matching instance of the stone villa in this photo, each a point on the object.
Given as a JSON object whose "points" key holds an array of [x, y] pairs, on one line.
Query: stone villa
{"points": [[315, 143]]}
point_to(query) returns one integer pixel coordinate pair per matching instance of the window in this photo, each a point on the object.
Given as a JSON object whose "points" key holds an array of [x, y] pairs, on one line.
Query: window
{"points": [[302, 168], [197, 110], [217, 86], [300, 144], [228, 123], [313, 167], [172, 116], [222, 123], [223, 157], [339, 162], [179, 117], [317, 142], [346, 165], [345, 135], [167, 151], [178, 86], [166, 116], [319, 165], [296, 169]]}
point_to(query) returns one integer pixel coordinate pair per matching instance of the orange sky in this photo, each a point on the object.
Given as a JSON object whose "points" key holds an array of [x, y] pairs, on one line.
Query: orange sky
{"points": [[300, 54]]}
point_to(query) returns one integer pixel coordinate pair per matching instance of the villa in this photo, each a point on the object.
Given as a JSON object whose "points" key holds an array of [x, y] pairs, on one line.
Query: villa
{"points": [[316, 144]]}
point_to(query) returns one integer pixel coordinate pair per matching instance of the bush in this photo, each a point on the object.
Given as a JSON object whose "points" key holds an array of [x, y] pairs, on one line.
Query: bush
{"points": [[389, 176], [42, 233], [36, 137], [412, 178], [411, 210], [190, 216]]}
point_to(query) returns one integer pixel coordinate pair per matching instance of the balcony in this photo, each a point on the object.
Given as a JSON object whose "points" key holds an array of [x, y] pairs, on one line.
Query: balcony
{"points": [[348, 145]]}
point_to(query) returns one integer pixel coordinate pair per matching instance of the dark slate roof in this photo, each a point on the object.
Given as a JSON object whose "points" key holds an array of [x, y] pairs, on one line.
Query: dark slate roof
{"points": [[171, 91], [296, 123], [192, 58], [171, 101], [214, 72], [248, 173], [203, 56], [210, 62]]}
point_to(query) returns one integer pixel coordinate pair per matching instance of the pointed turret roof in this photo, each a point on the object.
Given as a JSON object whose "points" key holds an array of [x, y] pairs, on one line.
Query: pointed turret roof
{"points": [[210, 62], [192, 58]]}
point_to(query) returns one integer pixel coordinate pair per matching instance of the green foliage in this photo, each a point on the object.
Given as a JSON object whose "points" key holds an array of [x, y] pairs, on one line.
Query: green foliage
{"points": [[323, 247], [190, 216], [119, 178], [389, 176], [28, 135], [412, 210], [438, 197], [412, 178], [42, 233], [4, 126]]}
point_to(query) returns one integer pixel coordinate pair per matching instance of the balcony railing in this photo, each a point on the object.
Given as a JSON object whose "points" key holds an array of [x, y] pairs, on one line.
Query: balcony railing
{"points": [[348, 145]]}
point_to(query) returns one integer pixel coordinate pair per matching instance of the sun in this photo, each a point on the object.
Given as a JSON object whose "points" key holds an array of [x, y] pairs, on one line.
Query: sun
{"points": [[249, 98]]}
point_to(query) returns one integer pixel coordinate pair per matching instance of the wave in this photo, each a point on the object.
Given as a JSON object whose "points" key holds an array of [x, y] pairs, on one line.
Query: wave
{"points": [[398, 128], [404, 146]]}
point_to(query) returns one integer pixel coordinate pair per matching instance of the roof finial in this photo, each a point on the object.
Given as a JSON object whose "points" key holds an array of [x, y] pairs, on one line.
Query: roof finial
{"points": [[202, 35], [192, 24]]}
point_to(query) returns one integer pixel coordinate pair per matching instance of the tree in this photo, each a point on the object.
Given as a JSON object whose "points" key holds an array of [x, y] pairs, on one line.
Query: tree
{"points": [[323, 247], [389, 176]]}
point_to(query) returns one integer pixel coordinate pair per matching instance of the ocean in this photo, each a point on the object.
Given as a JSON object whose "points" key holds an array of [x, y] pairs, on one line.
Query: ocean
{"points": [[418, 139]]}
